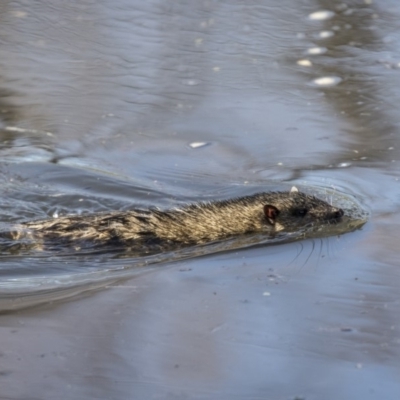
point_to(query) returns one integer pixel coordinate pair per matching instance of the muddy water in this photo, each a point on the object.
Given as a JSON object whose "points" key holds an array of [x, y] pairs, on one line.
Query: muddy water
{"points": [[105, 103]]}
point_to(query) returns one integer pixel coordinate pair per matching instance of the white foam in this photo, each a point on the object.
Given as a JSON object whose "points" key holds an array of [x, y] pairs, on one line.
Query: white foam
{"points": [[316, 50], [321, 15], [325, 34], [304, 63], [197, 145], [327, 81]]}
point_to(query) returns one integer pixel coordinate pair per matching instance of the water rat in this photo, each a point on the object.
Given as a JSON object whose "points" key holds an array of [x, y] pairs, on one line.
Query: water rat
{"points": [[197, 223]]}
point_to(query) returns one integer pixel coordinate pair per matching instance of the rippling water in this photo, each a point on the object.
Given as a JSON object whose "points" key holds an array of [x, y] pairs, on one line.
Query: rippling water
{"points": [[25, 270], [113, 105]]}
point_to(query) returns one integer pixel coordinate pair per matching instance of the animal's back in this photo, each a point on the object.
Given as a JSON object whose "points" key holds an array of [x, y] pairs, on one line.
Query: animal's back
{"points": [[193, 224]]}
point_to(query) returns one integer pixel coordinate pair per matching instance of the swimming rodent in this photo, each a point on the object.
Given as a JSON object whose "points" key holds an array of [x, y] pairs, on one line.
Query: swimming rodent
{"points": [[198, 223]]}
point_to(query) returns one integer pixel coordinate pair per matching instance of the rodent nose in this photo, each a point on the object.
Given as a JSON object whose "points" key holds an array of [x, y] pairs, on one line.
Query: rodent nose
{"points": [[338, 214]]}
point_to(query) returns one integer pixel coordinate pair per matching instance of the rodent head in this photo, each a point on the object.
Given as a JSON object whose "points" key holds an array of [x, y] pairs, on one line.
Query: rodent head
{"points": [[300, 209]]}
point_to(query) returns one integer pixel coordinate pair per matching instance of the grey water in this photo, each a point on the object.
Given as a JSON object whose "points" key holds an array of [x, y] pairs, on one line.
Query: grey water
{"points": [[109, 105]]}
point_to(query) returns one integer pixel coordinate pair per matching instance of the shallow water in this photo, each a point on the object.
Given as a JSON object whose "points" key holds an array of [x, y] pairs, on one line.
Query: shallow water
{"points": [[108, 103]]}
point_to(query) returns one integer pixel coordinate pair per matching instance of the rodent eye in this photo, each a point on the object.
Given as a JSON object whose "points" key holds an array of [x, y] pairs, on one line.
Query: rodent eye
{"points": [[300, 212]]}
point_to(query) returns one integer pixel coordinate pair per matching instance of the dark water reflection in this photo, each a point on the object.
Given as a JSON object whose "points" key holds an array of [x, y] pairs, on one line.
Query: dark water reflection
{"points": [[101, 101]]}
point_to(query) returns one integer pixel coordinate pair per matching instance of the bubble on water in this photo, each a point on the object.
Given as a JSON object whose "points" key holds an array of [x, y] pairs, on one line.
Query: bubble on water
{"points": [[325, 34], [316, 50], [304, 63], [321, 15], [197, 145], [327, 81], [344, 165]]}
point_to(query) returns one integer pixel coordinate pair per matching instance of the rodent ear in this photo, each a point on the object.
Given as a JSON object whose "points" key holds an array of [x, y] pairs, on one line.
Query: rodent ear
{"points": [[271, 212]]}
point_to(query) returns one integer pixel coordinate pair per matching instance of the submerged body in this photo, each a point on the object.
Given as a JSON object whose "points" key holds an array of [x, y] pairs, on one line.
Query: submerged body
{"points": [[197, 223]]}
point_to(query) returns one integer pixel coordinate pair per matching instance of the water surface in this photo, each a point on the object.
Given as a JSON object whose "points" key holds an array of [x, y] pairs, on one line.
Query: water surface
{"points": [[104, 103]]}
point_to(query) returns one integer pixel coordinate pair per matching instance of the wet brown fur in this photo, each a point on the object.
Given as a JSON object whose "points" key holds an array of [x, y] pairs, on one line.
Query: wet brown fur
{"points": [[193, 224]]}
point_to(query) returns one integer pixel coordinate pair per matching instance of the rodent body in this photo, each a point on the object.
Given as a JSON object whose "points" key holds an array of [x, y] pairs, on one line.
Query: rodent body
{"points": [[197, 223]]}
